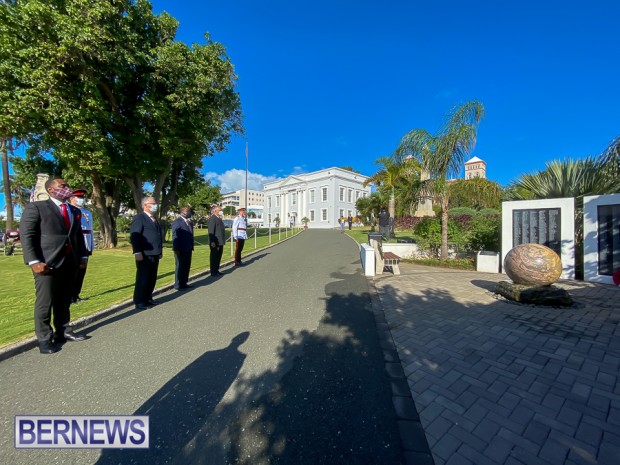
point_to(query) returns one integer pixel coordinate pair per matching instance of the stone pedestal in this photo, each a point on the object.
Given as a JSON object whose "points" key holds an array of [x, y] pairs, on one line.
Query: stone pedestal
{"points": [[539, 295]]}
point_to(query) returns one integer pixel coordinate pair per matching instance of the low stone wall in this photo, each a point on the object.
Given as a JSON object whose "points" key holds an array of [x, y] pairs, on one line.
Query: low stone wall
{"points": [[402, 250]]}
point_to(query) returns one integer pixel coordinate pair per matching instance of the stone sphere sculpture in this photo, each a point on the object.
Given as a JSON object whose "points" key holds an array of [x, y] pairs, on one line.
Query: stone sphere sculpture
{"points": [[533, 265]]}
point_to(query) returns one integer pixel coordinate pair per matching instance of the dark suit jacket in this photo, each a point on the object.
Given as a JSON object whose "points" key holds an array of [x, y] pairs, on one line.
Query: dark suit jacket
{"points": [[146, 235], [44, 235], [216, 230], [182, 235]]}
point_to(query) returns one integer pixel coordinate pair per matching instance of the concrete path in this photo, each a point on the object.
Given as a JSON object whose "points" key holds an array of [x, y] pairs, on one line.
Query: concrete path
{"points": [[501, 383], [275, 362]]}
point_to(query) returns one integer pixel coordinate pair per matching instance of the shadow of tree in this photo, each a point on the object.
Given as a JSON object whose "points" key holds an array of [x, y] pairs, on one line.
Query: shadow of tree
{"points": [[333, 405], [180, 408]]}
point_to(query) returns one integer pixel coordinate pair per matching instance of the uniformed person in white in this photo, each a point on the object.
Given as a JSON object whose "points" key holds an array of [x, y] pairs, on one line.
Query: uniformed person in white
{"points": [[240, 234], [78, 200]]}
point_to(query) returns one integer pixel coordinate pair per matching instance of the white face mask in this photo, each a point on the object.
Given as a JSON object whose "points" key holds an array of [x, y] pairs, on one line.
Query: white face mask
{"points": [[80, 201], [153, 208]]}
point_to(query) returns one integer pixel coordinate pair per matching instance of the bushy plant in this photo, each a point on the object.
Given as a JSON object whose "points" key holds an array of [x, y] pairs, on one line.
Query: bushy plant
{"points": [[428, 235], [489, 211], [461, 211], [485, 232], [123, 223]]}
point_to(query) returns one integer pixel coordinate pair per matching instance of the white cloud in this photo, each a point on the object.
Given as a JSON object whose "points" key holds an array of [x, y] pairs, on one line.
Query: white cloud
{"points": [[234, 179]]}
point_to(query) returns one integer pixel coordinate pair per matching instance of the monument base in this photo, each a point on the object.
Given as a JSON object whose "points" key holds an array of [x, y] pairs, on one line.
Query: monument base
{"points": [[552, 296]]}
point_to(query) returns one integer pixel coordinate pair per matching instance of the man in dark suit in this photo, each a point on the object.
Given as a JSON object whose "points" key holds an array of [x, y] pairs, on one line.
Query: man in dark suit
{"points": [[182, 246], [217, 239], [54, 248], [147, 243]]}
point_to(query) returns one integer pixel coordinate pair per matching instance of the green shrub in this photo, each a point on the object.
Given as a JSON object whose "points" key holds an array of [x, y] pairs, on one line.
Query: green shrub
{"points": [[485, 232], [462, 211], [458, 263], [123, 223], [488, 211], [427, 235]]}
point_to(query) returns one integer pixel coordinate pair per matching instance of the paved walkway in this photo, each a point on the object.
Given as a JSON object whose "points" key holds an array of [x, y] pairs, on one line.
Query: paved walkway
{"points": [[277, 362], [501, 383]]}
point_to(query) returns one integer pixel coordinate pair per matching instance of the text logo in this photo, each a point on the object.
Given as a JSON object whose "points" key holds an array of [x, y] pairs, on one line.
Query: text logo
{"points": [[81, 432]]}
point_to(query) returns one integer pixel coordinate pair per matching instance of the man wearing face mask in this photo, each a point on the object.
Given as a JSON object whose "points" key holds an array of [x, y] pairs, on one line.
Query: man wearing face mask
{"points": [[54, 248], [182, 246], [77, 200], [147, 244], [217, 239]]}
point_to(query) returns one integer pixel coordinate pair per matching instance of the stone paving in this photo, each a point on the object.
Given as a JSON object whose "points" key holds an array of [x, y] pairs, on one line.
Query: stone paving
{"points": [[496, 382]]}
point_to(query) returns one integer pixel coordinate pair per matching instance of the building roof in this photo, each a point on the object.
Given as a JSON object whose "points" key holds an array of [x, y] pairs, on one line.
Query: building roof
{"points": [[475, 160]]}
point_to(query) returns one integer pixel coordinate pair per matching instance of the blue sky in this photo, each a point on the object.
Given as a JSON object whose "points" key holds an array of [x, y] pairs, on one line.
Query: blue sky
{"points": [[339, 82]]}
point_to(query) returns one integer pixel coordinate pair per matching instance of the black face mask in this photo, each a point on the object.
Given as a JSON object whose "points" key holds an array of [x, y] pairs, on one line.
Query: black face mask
{"points": [[187, 215]]}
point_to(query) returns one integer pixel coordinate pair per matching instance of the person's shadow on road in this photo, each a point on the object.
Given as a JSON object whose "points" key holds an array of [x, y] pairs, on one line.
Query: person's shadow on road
{"points": [[179, 410]]}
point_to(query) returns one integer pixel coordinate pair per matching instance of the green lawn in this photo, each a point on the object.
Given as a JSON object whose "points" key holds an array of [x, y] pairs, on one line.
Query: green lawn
{"points": [[361, 234], [109, 280]]}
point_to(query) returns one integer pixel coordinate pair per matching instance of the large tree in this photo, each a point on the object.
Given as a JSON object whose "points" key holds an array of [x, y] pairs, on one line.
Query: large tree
{"points": [[103, 86], [443, 155]]}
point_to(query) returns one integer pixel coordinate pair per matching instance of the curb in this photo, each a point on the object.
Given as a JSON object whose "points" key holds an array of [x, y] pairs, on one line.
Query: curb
{"points": [[25, 345]]}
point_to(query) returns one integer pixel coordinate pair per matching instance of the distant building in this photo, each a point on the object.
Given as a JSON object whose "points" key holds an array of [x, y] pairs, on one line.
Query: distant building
{"points": [[475, 168], [255, 204], [323, 197]]}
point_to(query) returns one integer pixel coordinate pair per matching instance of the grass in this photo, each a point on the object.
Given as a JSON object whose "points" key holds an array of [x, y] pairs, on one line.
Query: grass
{"points": [[361, 235], [109, 280]]}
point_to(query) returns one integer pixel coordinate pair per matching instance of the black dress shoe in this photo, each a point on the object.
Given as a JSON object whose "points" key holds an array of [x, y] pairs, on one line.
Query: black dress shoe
{"points": [[151, 303], [71, 336], [142, 307], [47, 347]]}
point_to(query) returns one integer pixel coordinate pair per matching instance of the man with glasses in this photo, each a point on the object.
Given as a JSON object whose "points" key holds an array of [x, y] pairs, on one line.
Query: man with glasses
{"points": [[147, 243]]}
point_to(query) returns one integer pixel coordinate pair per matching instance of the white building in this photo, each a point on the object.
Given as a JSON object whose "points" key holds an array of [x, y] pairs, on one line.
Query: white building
{"points": [[255, 204], [237, 198], [323, 197]]}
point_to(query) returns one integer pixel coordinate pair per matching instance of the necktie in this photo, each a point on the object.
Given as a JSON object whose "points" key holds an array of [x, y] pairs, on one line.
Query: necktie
{"points": [[65, 216]]}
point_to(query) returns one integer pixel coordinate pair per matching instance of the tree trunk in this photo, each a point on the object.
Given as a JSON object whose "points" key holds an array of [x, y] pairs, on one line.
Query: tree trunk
{"points": [[107, 220], [392, 204], [444, 230], [135, 184], [6, 183]]}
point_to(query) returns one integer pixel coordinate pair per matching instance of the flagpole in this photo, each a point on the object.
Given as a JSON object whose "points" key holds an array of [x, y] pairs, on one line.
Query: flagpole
{"points": [[246, 177]]}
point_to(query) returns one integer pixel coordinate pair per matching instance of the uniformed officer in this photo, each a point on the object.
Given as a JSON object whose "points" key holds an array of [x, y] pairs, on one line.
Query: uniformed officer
{"points": [[239, 232], [77, 200]]}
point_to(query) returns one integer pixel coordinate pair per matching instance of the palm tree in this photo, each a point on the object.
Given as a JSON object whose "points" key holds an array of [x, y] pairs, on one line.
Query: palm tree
{"points": [[386, 177], [567, 178], [442, 155]]}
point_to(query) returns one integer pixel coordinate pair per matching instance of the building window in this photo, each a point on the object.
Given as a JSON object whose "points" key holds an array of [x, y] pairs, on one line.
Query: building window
{"points": [[277, 200], [323, 214], [269, 202], [312, 215], [324, 194], [357, 195], [312, 192], [341, 213], [342, 194], [293, 198], [350, 195]]}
